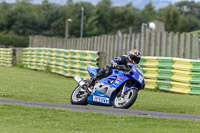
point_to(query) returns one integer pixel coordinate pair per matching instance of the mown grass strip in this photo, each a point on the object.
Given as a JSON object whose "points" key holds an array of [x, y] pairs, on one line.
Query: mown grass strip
{"points": [[25, 84], [23, 119]]}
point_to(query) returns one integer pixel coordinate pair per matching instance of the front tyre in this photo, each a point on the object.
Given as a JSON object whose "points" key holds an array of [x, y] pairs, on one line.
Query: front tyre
{"points": [[124, 102], [79, 96]]}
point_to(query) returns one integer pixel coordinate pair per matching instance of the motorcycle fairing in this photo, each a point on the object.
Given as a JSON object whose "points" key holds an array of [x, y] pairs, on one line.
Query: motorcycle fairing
{"points": [[137, 77], [128, 87], [114, 81], [92, 70], [105, 88], [99, 98]]}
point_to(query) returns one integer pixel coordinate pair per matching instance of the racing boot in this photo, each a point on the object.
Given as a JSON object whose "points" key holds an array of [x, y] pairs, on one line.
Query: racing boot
{"points": [[85, 87]]}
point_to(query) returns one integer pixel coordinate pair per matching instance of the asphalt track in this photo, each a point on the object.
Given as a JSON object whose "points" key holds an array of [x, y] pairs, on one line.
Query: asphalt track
{"points": [[106, 110]]}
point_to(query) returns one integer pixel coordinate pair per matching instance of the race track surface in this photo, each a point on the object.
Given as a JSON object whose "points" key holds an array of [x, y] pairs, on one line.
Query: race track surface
{"points": [[103, 109]]}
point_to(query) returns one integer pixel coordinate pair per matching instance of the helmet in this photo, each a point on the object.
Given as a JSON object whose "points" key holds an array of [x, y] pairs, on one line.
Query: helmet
{"points": [[134, 55]]}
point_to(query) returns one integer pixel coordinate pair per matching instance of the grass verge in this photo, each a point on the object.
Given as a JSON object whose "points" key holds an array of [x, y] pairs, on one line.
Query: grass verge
{"points": [[23, 119], [25, 84]]}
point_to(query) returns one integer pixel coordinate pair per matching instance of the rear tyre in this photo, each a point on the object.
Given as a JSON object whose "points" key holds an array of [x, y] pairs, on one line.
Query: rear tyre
{"points": [[124, 102], [79, 96]]}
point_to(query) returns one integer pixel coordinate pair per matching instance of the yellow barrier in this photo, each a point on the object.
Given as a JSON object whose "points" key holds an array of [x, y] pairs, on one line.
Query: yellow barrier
{"points": [[172, 74], [65, 62], [6, 57]]}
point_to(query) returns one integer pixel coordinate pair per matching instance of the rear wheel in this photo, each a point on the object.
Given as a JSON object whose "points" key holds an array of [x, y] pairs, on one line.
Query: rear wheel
{"points": [[127, 100], [79, 96]]}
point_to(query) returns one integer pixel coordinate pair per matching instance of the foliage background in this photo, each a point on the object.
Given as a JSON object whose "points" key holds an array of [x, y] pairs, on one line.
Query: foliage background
{"points": [[13, 40], [24, 18]]}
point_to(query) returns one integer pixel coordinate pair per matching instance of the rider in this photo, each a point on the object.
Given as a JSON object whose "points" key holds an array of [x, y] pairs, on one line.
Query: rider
{"points": [[119, 62]]}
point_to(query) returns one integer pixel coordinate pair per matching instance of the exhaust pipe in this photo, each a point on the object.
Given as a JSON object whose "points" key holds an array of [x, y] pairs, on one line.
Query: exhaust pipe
{"points": [[80, 82]]}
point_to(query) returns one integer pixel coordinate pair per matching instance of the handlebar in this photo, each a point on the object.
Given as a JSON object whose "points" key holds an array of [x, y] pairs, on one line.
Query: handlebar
{"points": [[122, 67]]}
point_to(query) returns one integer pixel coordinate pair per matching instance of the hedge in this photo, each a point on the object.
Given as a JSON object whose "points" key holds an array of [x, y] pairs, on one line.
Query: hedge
{"points": [[13, 40]]}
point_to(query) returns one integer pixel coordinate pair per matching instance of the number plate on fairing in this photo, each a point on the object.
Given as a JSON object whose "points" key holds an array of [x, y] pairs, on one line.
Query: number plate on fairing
{"points": [[101, 99]]}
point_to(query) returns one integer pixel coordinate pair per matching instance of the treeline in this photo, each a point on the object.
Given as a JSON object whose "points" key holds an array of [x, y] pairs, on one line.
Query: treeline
{"points": [[24, 18]]}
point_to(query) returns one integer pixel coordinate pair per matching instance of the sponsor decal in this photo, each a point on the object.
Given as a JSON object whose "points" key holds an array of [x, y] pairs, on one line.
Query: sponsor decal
{"points": [[101, 99], [120, 79], [139, 70], [114, 85], [134, 69], [140, 79], [117, 82]]}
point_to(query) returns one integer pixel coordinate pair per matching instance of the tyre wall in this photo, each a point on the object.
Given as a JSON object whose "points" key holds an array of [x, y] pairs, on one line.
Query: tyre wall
{"points": [[6, 57], [61, 61], [172, 74], [163, 73]]}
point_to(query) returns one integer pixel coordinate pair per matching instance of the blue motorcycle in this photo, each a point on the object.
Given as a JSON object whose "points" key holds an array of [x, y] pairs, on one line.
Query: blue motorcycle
{"points": [[120, 89]]}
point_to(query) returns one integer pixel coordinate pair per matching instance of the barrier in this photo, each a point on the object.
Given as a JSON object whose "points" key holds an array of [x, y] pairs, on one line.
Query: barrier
{"points": [[6, 57], [172, 74], [65, 62], [164, 73]]}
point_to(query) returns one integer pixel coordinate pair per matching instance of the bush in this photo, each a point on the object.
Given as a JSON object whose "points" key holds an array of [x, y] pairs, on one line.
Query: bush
{"points": [[195, 32], [13, 40]]}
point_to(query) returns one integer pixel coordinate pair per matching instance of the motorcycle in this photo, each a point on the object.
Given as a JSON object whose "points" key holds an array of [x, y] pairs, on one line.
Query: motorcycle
{"points": [[119, 90]]}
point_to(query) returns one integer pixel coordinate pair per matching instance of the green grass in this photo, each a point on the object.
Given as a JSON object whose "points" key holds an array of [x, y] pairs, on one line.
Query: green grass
{"points": [[23, 119], [25, 84], [19, 56], [167, 102]]}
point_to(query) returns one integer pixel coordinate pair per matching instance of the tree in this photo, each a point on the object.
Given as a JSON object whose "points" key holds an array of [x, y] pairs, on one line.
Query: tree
{"points": [[25, 18], [122, 17], [103, 12], [188, 7], [63, 13], [148, 13], [20, 18], [183, 24], [4, 7], [170, 16], [45, 17], [90, 20], [70, 2], [190, 16], [193, 22]]}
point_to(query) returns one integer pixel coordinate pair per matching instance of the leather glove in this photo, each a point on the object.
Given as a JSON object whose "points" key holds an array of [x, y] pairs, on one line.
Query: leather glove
{"points": [[114, 64], [122, 67]]}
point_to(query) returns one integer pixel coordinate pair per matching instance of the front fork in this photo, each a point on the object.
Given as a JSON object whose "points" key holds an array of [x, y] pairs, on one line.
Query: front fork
{"points": [[124, 89]]}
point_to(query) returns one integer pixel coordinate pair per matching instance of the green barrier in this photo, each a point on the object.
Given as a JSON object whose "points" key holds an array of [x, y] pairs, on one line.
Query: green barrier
{"points": [[65, 62], [6, 57], [172, 74], [164, 73]]}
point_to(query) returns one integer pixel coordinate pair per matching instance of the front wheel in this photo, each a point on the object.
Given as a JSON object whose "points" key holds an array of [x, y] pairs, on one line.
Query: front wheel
{"points": [[79, 96], [127, 100]]}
